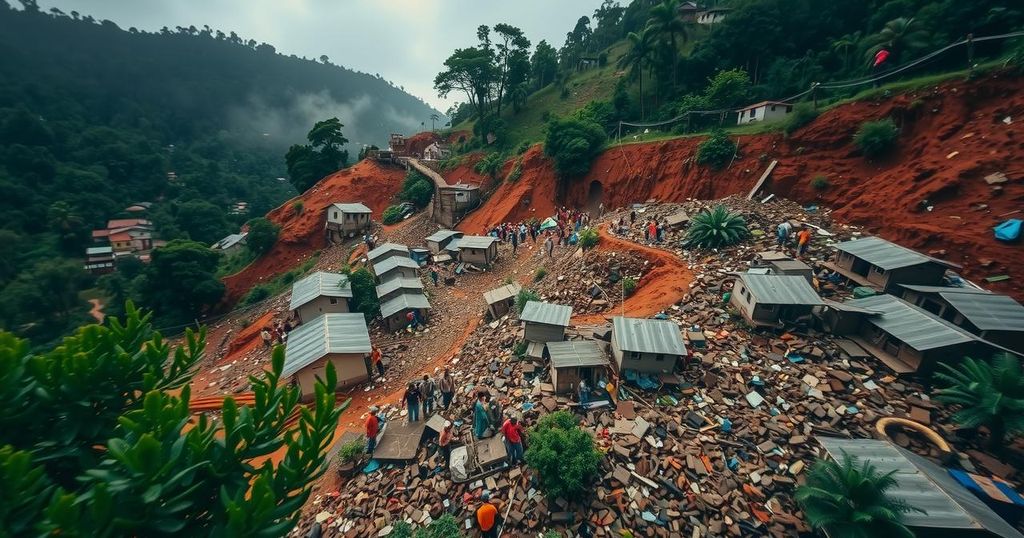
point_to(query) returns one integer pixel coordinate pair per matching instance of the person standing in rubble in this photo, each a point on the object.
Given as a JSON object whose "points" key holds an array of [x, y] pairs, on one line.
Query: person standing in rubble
{"points": [[444, 442], [549, 245], [411, 398], [803, 241], [372, 429], [433, 274], [494, 412], [514, 433], [377, 358], [782, 233], [515, 242], [481, 422], [447, 386], [487, 516], [584, 393], [427, 388]]}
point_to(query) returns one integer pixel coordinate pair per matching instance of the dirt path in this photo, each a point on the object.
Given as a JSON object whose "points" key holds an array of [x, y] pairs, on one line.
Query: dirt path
{"points": [[663, 286], [97, 310]]}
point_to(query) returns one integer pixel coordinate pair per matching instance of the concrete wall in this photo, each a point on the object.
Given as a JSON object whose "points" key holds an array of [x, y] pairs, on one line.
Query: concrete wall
{"points": [[322, 305], [398, 320], [350, 367], [539, 332], [763, 113]]}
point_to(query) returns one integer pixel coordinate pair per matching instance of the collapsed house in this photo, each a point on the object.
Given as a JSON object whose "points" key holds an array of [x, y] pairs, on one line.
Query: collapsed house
{"points": [[339, 339], [992, 316], [767, 300], [876, 263], [501, 300], [320, 293]]}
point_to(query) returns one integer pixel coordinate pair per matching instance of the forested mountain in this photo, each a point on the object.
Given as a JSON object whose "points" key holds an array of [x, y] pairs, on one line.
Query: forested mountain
{"points": [[93, 118]]}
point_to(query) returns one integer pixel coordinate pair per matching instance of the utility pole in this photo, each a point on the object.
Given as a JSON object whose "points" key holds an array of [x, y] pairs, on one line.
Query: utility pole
{"points": [[970, 53], [814, 93]]}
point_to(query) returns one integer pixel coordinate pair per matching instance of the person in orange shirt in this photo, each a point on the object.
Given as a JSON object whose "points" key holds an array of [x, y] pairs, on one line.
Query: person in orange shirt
{"points": [[372, 429], [487, 516], [803, 241], [376, 357]]}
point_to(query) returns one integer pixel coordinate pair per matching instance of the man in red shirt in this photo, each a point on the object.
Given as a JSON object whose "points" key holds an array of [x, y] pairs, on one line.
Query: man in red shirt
{"points": [[513, 433], [372, 429]]}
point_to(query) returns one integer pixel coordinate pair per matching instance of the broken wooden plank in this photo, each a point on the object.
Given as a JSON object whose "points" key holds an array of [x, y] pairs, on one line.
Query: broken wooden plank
{"points": [[764, 177]]}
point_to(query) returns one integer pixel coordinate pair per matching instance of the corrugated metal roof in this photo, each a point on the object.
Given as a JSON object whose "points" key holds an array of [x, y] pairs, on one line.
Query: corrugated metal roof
{"points": [[648, 336], [441, 235], [229, 241], [384, 249], [789, 265], [92, 251], [329, 333], [780, 289], [546, 313], [414, 284], [849, 308], [988, 311], [477, 241], [500, 294], [913, 326], [925, 485], [887, 255], [353, 208], [577, 353], [319, 284], [938, 289], [403, 301], [390, 264]]}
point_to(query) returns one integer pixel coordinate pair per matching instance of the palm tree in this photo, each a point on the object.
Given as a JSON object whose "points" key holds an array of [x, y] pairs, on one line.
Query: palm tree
{"points": [[848, 500], [665, 22], [518, 94], [640, 54], [899, 35], [989, 394], [433, 118], [844, 45]]}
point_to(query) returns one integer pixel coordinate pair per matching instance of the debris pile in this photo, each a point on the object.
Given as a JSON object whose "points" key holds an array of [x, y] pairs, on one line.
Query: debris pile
{"points": [[590, 282]]}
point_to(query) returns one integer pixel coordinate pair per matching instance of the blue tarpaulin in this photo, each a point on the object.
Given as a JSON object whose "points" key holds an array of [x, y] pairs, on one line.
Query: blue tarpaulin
{"points": [[1009, 230]]}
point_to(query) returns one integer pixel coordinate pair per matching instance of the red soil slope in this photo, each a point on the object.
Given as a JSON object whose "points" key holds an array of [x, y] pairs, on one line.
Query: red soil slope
{"points": [[368, 182], [935, 122]]}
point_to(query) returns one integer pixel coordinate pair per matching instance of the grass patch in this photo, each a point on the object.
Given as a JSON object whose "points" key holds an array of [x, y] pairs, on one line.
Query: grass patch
{"points": [[230, 265], [263, 291]]}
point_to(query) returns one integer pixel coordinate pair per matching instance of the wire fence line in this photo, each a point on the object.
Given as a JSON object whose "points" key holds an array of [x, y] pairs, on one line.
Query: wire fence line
{"points": [[834, 85]]}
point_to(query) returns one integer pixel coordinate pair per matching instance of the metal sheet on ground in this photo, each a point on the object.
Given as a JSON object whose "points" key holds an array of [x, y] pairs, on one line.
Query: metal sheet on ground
{"points": [[852, 349], [400, 441]]}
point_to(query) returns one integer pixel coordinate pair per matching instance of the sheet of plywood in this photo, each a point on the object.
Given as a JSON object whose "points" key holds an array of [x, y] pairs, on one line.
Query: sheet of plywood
{"points": [[400, 441]]}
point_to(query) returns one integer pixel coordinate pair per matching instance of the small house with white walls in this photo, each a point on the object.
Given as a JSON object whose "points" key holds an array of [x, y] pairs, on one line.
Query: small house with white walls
{"points": [[763, 111]]}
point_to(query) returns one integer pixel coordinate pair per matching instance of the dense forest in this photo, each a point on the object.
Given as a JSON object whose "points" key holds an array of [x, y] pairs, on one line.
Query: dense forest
{"points": [[94, 119]]}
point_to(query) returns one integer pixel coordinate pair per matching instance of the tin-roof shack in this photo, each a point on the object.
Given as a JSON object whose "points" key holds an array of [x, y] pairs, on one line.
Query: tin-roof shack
{"points": [[992, 316], [231, 244], [477, 249], [395, 267], [646, 345], [947, 507], [385, 251], [501, 300], [320, 293], [437, 241], [347, 219], [877, 263], [341, 339], [395, 311], [397, 286], [904, 337], [545, 322], [574, 361], [791, 267], [767, 300]]}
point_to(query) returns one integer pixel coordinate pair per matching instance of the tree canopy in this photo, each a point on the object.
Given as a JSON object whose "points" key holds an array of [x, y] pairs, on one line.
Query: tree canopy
{"points": [[323, 156]]}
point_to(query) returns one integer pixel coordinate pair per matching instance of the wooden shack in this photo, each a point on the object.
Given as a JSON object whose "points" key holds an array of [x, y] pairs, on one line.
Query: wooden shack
{"points": [[501, 300], [646, 345], [478, 249], [545, 322], [398, 286], [879, 264], [573, 361], [320, 293], [995, 317], [386, 251], [395, 267], [347, 219], [437, 241], [453, 202], [767, 300], [339, 339], [394, 312]]}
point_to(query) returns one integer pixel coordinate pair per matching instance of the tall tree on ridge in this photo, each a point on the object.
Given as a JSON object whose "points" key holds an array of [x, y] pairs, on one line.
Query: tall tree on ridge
{"points": [[640, 55]]}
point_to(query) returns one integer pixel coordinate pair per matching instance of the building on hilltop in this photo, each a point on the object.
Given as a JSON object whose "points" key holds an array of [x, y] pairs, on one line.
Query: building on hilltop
{"points": [[346, 220], [763, 111], [231, 244]]}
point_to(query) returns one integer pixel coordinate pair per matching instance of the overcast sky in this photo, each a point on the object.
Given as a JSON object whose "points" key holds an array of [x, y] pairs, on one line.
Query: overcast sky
{"points": [[406, 41]]}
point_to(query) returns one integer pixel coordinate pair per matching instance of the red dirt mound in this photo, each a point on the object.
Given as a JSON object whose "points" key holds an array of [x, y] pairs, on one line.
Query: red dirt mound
{"points": [[952, 136], [302, 234]]}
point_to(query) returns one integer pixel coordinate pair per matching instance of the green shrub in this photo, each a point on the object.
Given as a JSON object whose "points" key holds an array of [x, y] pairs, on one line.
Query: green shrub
{"points": [[628, 285], [523, 297], [516, 172], [876, 138], [523, 147], [297, 206], [262, 235], [364, 292], [589, 238], [445, 526], [258, 293], [820, 183], [391, 215], [351, 451], [539, 274], [803, 114], [573, 144], [564, 456], [716, 151], [490, 165], [716, 228], [520, 348]]}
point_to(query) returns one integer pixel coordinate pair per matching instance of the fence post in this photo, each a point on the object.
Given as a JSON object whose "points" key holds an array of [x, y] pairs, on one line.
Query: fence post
{"points": [[970, 53], [814, 93]]}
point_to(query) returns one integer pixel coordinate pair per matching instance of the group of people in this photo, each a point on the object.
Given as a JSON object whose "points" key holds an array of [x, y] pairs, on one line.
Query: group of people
{"points": [[276, 333], [420, 397], [784, 236], [565, 232], [654, 230]]}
